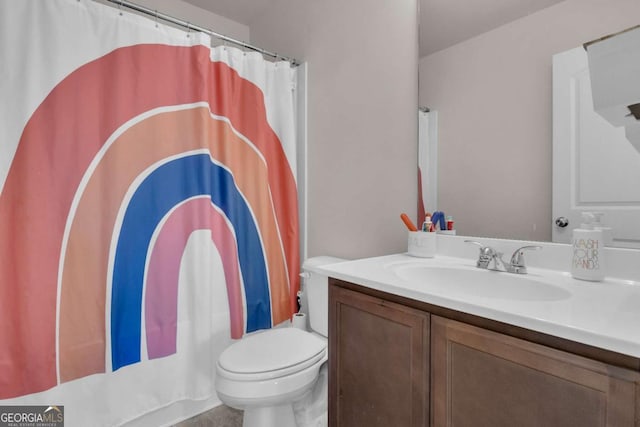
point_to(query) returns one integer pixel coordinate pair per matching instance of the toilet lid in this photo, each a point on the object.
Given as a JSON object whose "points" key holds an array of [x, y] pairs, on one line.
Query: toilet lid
{"points": [[271, 350]]}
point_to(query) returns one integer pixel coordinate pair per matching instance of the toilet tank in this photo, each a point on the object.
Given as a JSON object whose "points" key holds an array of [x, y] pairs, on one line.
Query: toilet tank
{"points": [[315, 287]]}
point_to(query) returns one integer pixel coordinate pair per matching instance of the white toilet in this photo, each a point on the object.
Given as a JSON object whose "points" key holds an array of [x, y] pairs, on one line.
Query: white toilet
{"points": [[266, 372]]}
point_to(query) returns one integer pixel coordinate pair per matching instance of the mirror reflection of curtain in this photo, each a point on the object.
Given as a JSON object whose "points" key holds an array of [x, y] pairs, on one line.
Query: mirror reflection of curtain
{"points": [[427, 162]]}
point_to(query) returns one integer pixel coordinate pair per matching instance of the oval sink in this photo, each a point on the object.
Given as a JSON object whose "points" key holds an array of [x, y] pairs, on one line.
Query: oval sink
{"points": [[481, 283]]}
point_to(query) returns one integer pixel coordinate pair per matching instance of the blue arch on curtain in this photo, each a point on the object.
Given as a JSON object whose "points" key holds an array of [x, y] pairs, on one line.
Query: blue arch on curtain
{"points": [[168, 185]]}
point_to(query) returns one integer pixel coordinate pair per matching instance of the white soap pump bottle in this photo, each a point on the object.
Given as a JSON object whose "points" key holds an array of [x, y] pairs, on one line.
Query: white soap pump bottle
{"points": [[598, 224], [588, 251]]}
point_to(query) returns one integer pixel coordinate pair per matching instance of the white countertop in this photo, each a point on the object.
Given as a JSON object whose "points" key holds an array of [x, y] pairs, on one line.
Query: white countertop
{"points": [[601, 314]]}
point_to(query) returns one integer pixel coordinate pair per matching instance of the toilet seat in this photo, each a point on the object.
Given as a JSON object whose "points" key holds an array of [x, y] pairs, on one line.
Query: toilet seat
{"points": [[271, 354]]}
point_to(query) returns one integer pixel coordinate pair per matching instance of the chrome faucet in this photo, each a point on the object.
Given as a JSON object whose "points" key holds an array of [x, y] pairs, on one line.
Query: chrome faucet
{"points": [[488, 255]]}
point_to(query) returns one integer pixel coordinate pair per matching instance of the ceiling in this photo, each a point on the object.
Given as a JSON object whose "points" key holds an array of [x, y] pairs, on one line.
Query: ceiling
{"points": [[443, 23]]}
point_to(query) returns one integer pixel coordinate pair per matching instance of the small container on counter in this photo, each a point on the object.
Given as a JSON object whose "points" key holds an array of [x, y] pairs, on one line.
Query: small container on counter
{"points": [[422, 244], [449, 223], [427, 225]]}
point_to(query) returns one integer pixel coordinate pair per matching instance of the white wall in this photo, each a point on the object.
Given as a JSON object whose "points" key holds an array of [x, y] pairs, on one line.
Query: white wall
{"points": [[493, 96], [362, 117]]}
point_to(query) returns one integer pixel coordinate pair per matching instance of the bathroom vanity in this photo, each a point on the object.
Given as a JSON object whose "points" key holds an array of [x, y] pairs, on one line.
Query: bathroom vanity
{"points": [[406, 351]]}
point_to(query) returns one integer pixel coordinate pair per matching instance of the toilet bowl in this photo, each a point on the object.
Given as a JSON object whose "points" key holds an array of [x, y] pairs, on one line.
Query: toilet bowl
{"points": [[264, 373]]}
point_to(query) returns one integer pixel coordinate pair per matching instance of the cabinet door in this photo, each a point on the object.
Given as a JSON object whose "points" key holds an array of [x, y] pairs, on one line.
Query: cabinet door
{"points": [[482, 378], [378, 362]]}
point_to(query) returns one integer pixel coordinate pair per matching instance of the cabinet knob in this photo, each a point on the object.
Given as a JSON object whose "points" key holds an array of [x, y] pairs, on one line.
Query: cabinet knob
{"points": [[562, 222]]}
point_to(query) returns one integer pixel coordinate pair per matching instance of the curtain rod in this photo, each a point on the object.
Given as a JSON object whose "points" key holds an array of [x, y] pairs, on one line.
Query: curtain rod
{"points": [[157, 15]]}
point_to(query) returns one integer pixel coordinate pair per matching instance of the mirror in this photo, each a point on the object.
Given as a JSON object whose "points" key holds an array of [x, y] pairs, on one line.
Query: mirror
{"points": [[492, 91]]}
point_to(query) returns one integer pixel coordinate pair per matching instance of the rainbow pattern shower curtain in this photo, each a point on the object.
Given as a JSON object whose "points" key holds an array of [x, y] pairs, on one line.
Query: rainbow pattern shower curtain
{"points": [[148, 212]]}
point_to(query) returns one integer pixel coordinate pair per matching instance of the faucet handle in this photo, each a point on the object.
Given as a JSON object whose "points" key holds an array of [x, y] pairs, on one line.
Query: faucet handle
{"points": [[487, 254], [484, 250], [517, 259]]}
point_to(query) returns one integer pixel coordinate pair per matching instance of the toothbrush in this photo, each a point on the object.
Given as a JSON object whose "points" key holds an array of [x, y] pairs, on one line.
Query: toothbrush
{"points": [[407, 221]]}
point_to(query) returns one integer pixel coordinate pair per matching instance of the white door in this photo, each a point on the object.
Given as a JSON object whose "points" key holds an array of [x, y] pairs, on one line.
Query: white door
{"points": [[595, 167]]}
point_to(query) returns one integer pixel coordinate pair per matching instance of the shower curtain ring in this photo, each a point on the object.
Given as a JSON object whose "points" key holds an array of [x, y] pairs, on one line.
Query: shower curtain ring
{"points": [[120, 8], [156, 17], [188, 29]]}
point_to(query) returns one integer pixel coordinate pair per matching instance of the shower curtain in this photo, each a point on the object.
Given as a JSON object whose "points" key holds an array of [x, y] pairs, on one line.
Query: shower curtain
{"points": [[148, 213]]}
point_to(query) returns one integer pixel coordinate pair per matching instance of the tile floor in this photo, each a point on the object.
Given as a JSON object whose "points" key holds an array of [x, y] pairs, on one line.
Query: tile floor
{"points": [[220, 416]]}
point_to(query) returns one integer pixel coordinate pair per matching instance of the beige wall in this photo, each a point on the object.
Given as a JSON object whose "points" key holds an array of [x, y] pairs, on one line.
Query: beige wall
{"points": [[362, 117], [493, 96]]}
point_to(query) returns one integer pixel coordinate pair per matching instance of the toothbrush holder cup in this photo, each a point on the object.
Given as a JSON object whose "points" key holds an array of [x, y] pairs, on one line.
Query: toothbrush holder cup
{"points": [[422, 244]]}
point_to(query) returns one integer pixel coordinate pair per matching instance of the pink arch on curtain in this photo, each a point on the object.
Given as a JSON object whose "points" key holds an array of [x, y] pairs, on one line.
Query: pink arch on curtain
{"points": [[161, 297]]}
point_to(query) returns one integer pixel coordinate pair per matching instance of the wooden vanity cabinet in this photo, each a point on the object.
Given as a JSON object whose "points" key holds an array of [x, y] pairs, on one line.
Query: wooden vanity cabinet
{"points": [[397, 364], [378, 362]]}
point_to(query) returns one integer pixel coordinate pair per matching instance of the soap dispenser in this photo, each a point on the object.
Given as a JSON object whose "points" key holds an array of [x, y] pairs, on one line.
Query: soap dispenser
{"points": [[588, 251], [598, 224]]}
